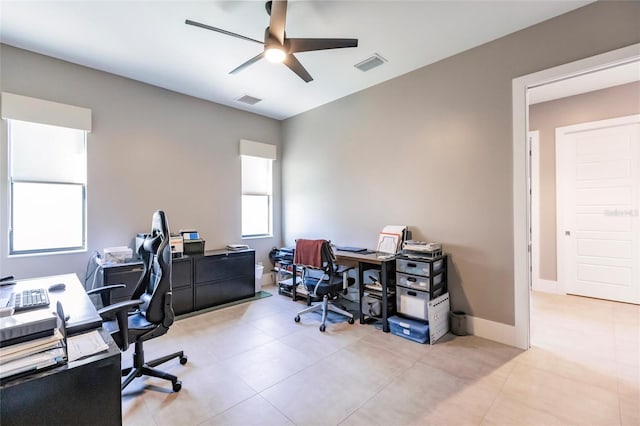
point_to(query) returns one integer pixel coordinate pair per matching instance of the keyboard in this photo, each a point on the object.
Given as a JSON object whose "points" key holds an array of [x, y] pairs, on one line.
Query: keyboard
{"points": [[30, 299]]}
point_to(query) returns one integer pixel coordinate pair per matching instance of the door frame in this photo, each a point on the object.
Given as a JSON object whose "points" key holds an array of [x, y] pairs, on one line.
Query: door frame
{"points": [[521, 173]]}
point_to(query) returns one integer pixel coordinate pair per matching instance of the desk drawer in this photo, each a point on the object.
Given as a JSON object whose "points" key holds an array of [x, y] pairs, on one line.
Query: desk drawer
{"points": [[181, 273], [213, 268], [433, 285], [424, 268]]}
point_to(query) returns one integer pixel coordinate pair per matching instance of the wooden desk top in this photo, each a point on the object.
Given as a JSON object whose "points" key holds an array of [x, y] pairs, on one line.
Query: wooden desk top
{"points": [[371, 258]]}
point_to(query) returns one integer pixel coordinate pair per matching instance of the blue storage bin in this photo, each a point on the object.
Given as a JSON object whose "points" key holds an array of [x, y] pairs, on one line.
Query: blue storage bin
{"points": [[411, 329]]}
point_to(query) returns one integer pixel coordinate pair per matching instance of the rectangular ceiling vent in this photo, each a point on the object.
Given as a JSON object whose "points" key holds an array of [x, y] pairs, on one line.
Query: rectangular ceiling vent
{"points": [[249, 100], [374, 61]]}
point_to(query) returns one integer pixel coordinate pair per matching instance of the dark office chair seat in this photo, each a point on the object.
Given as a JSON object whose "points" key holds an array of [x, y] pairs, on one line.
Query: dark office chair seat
{"points": [[321, 277], [152, 313]]}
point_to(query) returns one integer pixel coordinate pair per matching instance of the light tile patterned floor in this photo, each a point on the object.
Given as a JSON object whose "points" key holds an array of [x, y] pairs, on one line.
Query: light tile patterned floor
{"points": [[252, 365]]}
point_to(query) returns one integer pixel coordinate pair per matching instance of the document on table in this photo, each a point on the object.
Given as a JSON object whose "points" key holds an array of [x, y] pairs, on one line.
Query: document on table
{"points": [[85, 344], [390, 238]]}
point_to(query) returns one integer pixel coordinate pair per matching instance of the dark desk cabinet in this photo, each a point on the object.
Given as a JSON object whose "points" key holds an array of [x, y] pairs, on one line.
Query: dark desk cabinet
{"points": [[181, 280], [127, 274], [222, 277], [201, 281], [83, 392]]}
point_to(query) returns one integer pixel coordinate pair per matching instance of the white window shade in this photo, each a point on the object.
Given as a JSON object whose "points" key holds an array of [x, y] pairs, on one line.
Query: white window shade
{"points": [[24, 108], [256, 175], [43, 152], [257, 149]]}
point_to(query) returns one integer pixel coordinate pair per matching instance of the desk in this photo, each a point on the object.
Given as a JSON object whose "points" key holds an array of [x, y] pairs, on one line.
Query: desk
{"points": [[386, 264], [86, 391]]}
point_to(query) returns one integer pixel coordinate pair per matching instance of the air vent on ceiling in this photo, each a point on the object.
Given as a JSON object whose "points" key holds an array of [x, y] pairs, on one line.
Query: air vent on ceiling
{"points": [[374, 61], [249, 100]]}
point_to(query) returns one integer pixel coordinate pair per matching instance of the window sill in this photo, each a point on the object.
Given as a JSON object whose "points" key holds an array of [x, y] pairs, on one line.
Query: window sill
{"points": [[257, 237]]}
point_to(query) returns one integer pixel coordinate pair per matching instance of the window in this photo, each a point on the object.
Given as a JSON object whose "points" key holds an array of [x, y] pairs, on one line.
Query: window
{"points": [[257, 188], [47, 188]]}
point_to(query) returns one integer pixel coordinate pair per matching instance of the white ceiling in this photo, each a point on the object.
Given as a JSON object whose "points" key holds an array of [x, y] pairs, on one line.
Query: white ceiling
{"points": [[149, 41]]}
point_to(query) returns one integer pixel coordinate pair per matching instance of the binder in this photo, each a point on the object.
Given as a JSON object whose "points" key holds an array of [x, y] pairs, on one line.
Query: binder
{"points": [[38, 354]]}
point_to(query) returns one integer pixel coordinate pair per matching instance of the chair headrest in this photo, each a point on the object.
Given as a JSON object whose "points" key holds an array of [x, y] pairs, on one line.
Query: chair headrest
{"points": [[151, 244], [159, 224]]}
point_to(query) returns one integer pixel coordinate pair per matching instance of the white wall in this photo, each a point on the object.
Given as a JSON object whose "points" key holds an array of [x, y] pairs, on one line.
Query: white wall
{"points": [[150, 149], [433, 150]]}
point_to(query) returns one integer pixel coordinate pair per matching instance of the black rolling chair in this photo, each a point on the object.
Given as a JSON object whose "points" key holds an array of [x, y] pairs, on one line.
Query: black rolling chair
{"points": [[321, 277], [151, 299]]}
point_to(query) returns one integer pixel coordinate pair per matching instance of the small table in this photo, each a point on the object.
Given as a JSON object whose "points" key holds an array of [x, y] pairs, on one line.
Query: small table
{"points": [[386, 263]]}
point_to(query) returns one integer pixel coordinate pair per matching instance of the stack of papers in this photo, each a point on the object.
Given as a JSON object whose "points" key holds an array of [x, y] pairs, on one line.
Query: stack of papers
{"points": [[86, 344], [237, 246], [32, 355]]}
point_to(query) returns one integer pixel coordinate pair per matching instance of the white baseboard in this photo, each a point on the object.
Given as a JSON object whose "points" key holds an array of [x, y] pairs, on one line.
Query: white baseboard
{"points": [[492, 330], [547, 286]]}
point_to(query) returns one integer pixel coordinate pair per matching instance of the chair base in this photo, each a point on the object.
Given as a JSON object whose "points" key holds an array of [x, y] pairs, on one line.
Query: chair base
{"points": [[141, 368], [325, 306]]}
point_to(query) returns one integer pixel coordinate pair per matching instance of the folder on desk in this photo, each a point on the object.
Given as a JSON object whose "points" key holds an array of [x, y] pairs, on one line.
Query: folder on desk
{"points": [[390, 239]]}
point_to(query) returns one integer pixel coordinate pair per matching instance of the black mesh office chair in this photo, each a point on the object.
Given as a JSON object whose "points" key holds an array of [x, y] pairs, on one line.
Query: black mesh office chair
{"points": [[321, 277], [152, 299]]}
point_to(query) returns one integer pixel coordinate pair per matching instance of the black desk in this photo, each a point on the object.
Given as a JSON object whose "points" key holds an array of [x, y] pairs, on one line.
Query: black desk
{"points": [[386, 264], [86, 391]]}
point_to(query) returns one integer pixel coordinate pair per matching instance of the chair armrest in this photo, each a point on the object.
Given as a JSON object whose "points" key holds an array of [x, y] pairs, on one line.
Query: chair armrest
{"points": [[121, 312], [340, 269], [105, 292], [108, 312]]}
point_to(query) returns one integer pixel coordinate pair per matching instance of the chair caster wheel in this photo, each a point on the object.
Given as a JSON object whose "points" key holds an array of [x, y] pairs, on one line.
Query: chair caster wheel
{"points": [[350, 321], [297, 318], [323, 328], [183, 360], [177, 386]]}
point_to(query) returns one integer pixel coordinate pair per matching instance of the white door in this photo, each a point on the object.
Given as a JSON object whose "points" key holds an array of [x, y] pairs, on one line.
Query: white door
{"points": [[598, 188]]}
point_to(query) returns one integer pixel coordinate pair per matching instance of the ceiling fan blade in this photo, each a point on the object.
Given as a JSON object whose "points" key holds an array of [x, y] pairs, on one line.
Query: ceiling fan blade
{"points": [[278, 18], [309, 44], [295, 66], [219, 30], [246, 64]]}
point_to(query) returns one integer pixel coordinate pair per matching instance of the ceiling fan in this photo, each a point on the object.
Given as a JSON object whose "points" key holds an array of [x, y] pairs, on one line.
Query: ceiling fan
{"points": [[277, 46]]}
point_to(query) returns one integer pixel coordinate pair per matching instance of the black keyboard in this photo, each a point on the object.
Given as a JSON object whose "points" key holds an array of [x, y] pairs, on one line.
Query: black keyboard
{"points": [[30, 299]]}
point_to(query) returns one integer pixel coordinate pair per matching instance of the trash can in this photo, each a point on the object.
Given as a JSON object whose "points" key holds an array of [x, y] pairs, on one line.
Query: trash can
{"points": [[259, 271], [458, 323]]}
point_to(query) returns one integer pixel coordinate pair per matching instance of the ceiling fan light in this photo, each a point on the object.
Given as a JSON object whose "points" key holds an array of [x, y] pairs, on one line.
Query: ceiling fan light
{"points": [[275, 54]]}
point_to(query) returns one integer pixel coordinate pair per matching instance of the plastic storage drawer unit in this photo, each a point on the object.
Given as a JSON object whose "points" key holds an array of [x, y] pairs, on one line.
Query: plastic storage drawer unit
{"points": [[425, 268], [433, 284], [413, 303], [418, 331]]}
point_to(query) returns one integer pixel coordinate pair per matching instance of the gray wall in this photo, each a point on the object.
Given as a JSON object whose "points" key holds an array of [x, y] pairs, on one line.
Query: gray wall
{"points": [[613, 102], [149, 149], [432, 150]]}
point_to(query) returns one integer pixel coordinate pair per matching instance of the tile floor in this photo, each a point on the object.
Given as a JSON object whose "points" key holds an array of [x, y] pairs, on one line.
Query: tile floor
{"points": [[250, 364]]}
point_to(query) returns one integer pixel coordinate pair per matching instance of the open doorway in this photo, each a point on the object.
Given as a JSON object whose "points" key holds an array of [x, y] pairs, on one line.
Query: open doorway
{"points": [[585, 164], [570, 338], [584, 184], [522, 170]]}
